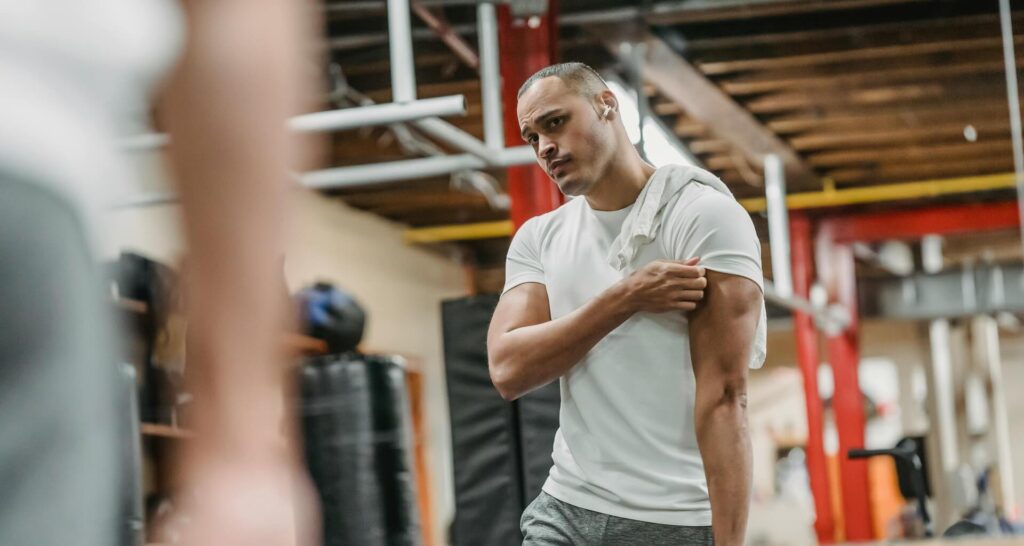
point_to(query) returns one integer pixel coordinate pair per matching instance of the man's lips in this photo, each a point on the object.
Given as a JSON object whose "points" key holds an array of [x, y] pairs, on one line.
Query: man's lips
{"points": [[555, 166]]}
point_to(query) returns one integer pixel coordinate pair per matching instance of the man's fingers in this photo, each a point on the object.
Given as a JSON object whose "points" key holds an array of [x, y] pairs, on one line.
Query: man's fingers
{"points": [[690, 295], [685, 271], [684, 305], [697, 283]]}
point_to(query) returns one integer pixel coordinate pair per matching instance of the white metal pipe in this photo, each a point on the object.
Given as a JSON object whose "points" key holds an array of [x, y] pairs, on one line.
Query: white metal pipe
{"points": [[406, 169], [987, 332], [452, 135], [1010, 62], [778, 224], [403, 65], [378, 114], [490, 76], [340, 120], [145, 142], [146, 200], [941, 398]]}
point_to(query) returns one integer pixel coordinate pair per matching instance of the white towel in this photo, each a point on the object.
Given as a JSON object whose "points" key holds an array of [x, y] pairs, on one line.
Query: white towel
{"points": [[643, 223]]}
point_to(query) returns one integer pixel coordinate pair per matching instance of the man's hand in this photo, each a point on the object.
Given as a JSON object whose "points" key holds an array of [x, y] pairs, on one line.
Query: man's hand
{"points": [[250, 499], [665, 285]]}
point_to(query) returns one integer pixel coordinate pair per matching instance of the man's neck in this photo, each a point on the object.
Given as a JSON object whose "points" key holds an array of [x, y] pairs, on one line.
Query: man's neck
{"points": [[622, 184]]}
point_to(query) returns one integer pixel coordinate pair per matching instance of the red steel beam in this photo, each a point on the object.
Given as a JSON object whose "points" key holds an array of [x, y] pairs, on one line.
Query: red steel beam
{"points": [[440, 26], [837, 272], [802, 254], [916, 223], [526, 46]]}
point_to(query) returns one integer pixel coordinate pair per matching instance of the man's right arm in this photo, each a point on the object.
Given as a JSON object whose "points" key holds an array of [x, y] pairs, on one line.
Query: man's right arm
{"points": [[527, 350]]}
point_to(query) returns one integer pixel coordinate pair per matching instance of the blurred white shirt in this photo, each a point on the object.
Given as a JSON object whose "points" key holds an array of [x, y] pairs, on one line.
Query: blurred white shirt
{"points": [[75, 76]]}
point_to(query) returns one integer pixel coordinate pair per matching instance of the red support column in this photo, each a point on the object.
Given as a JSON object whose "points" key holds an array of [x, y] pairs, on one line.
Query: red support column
{"points": [[837, 270], [802, 253], [526, 46]]}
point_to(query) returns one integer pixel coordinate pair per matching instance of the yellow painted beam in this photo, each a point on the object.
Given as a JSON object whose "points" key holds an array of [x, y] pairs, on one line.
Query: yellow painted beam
{"points": [[809, 200], [459, 232], [888, 192]]}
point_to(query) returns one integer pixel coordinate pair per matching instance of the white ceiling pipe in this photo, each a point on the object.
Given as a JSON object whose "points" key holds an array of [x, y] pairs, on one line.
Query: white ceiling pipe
{"points": [[407, 169], [490, 76], [340, 120], [778, 224], [452, 135], [403, 64], [378, 114], [144, 142]]}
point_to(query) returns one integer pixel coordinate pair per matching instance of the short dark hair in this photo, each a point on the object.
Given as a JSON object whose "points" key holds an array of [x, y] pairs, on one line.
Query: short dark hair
{"points": [[579, 77]]}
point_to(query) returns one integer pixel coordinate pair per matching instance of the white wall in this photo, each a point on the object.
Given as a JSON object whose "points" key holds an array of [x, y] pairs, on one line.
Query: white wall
{"points": [[400, 286]]}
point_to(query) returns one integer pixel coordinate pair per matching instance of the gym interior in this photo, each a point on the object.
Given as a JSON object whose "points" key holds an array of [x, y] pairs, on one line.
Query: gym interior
{"points": [[876, 145]]}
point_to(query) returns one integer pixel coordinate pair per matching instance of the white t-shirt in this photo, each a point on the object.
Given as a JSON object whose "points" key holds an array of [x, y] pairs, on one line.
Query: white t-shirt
{"points": [[626, 445]]}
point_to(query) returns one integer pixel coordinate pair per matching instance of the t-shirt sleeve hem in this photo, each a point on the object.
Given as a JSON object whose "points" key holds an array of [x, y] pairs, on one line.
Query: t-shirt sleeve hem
{"points": [[522, 278], [738, 268]]}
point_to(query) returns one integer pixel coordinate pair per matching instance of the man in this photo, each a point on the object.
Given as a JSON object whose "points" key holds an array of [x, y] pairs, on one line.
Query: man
{"points": [[653, 365], [74, 74]]}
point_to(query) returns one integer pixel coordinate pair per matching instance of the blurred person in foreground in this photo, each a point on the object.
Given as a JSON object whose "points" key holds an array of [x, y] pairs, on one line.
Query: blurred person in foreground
{"points": [[73, 74]]}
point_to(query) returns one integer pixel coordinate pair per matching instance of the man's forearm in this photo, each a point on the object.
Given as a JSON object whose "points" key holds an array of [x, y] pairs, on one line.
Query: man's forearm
{"points": [[532, 356], [724, 440]]}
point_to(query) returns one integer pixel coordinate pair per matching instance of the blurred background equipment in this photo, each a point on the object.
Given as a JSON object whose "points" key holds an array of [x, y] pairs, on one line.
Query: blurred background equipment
{"points": [[332, 315]]}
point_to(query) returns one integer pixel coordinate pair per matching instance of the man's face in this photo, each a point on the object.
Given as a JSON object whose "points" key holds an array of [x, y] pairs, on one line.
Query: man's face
{"points": [[573, 145]]}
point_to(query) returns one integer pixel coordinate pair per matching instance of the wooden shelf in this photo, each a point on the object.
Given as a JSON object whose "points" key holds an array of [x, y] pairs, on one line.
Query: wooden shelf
{"points": [[305, 344], [165, 431]]}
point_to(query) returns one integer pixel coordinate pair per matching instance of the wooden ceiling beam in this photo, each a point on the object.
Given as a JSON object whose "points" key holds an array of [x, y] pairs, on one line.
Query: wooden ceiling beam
{"points": [[861, 54], [679, 81], [865, 99], [426, 90], [383, 66], [859, 35], [908, 154], [705, 11], [909, 116], [861, 79], [953, 132], [921, 171]]}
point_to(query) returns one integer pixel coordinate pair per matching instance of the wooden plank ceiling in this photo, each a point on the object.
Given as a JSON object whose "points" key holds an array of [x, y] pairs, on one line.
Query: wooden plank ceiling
{"points": [[862, 91]]}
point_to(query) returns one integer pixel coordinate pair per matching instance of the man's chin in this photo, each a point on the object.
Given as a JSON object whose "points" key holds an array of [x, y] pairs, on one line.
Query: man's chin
{"points": [[572, 188]]}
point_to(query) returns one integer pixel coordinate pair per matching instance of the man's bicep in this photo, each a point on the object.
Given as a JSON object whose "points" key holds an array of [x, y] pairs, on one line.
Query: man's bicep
{"points": [[723, 327], [523, 305]]}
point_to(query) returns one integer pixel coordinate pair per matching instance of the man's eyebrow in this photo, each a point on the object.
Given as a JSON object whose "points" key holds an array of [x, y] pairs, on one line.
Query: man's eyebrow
{"points": [[540, 119]]}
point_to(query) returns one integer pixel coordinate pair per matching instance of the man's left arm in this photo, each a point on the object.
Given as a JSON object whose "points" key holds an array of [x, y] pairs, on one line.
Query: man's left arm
{"points": [[722, 332]]}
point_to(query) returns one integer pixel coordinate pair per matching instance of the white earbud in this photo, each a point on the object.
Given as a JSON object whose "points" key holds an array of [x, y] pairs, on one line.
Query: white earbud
{"points": [[607, 111]]}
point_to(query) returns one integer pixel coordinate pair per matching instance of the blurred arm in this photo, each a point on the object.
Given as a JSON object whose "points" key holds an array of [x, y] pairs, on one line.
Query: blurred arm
{"points": [[226, 108]]}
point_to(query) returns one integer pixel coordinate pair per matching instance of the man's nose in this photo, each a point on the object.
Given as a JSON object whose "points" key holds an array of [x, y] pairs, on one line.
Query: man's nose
{"points": [[547, 148]]}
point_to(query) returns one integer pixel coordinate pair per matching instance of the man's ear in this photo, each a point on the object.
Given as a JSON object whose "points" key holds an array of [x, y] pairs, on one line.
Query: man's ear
{"points": [[607, 104]]}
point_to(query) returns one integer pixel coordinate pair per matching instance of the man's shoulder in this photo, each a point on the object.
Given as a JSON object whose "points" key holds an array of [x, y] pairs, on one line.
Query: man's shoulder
{"points": [[699, 204]]}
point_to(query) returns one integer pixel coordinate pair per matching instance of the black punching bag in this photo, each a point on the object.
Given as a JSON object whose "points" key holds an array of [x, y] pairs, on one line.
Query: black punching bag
{"points": [[358, 443], [338, 429]]}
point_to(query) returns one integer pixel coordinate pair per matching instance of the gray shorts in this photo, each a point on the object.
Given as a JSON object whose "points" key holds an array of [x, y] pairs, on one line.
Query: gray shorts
{"points": [[59, 461], [551, 522]]}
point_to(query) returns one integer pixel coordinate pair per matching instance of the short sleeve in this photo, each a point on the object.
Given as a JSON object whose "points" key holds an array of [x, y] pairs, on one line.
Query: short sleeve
{"points": [[718, 230], [523, 265]]}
